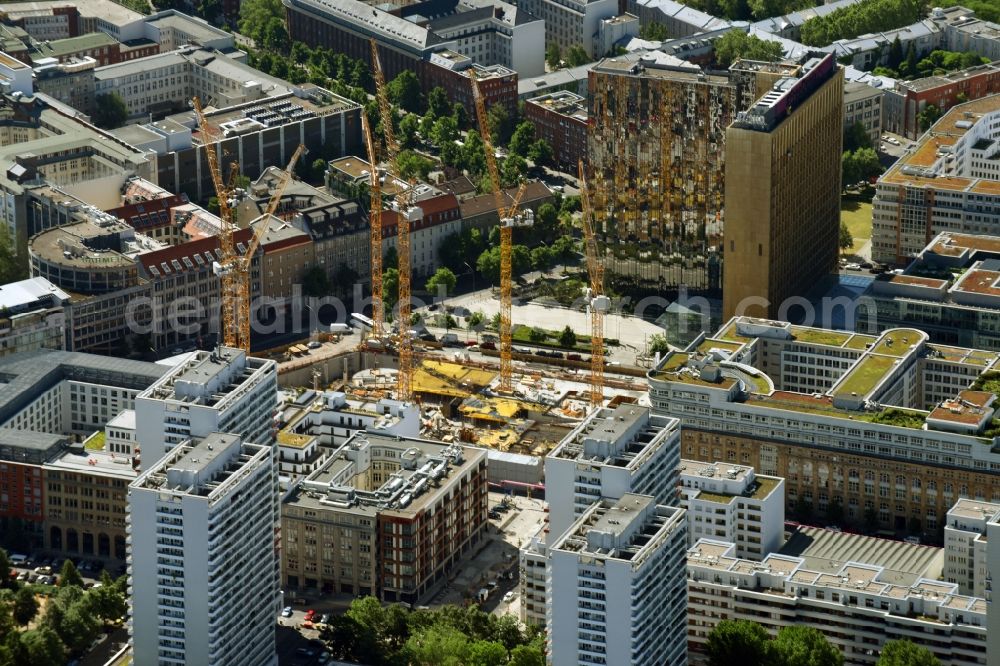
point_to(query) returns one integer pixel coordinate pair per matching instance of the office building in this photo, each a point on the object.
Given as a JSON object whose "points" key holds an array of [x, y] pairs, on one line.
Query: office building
{"points": [[203, 539], [965, 545], [679, 19], [219, 391], [890, 428], [614, 451], [907, 99], [258, 134], [440, 216], [949, 181], [56, 19], [659, 185], [491, 32], [49, 399], [561, 119], [570, 23], [782, 191], [615, 31], [730, 502], [44, 147], [860, 595], [71, 83], [384, 515], [452, 72], [992, 610], [863, 105], [615, 586], [480, 212], [947, 291], [31, 316], [333, 417]]}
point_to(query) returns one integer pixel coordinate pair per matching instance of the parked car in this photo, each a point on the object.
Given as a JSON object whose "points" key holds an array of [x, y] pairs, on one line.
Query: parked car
{"points": [[852, 267], [507, 598], [486, 344], [286, 611], [324, 619], [315, 344], [574, 357]]}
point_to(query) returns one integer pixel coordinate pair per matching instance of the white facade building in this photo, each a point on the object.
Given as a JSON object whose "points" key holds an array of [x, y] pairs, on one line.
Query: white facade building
{"points": [[858, 607], [219, 391], [203, 560], [731, 503], [571, 23], [613, 452], [992, 609], [965, 545], [616, 587]]}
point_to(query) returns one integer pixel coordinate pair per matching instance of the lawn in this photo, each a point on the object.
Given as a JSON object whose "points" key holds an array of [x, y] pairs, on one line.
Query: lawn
{"points": [[820, 336], [865, 375], [858, 216]]}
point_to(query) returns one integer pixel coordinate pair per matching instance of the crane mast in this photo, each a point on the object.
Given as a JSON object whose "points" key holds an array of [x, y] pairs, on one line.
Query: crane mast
{"points": [[228, 282], [404, 390], [509, 218], [375, 222], [241, 264], [599, 303]]}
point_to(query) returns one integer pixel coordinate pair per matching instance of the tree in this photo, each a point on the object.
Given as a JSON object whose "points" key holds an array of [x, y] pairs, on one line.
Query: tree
{"points": [[540, 152], [909, 66], [846, 239], [69, 576], [513, 170], [856, 136], [527, 655], [654, 32], [867, 163], [42, 647], [849, 171], [537, 334], [486, 653], [658, 344], [408, 128], [541, 257], [390, 287], [522, 138], [474, 322], [413, 165], [804, 646], [445, 130], [576, 56], [928, 117], [737, 44], [391, 258], [318, 169], [860, 18], [255, 16], [905, 653], [488, 264], [474, 153], [437, 102], [895, 57], [501, 124], [315, 282], [405, 91], [110, 111], [25, 606], [738, 642], [553, 55], [439, 645], [567, 338], [107, 601], [5, 565], [442, 280]]}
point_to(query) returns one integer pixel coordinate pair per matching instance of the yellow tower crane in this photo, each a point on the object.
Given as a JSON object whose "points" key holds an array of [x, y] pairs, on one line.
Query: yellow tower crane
{"points": [[375, 222], [599, 303], [233, 268], [404, 215], [509, 218]]}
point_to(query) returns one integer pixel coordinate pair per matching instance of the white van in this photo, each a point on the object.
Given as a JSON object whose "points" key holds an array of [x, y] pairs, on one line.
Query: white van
{"points": [[17, 559]]}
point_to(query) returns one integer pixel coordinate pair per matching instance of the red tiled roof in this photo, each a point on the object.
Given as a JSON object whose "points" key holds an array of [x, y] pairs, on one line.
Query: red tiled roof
{"points": [[149, 213], [168, 255]]}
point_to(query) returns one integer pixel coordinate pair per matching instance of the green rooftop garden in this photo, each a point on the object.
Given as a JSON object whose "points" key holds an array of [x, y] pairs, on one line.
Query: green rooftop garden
{"points": [[758, 384], [95, 442], [894, 344], [992, 429], [731, 334], [895, 417], [818, 336], [988, 381], [674, 362], [865, 375], [709, 343], [859, 341], [721, 498]]}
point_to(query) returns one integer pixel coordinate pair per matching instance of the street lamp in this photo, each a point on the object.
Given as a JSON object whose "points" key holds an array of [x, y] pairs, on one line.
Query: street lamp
{"points": [[473, 271]]}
